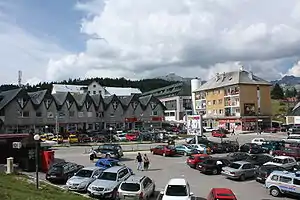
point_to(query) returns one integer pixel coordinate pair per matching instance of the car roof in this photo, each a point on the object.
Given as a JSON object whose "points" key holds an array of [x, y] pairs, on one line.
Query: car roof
{"points": [[222, 190], [242, 162], [200, 155], [134, 179], [282, 157], [108, 159], [90, 168], [177, 181], [114, 169], [286, 173]]}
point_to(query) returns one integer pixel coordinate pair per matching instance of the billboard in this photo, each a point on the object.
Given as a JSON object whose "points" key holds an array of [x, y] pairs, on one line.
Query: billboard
{"points": [[193, 124]]}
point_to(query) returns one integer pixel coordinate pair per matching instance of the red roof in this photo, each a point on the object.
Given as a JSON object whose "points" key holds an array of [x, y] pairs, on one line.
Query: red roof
{"points": [[224, 193]]}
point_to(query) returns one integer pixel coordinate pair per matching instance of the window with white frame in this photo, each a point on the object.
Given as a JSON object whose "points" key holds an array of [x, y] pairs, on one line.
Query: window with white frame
{"points": [[155, 113]]}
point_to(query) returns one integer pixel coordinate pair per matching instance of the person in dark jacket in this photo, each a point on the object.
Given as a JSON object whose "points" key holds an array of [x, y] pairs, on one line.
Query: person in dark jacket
{"points": [[146, 162], [139, 160]]}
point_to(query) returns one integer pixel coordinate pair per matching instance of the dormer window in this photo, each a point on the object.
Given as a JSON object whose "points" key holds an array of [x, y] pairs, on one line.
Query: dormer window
{"points": [[94, 86]]}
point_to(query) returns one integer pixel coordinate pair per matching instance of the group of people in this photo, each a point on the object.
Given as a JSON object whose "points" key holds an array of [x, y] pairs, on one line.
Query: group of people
{"points": [[142, 162]]}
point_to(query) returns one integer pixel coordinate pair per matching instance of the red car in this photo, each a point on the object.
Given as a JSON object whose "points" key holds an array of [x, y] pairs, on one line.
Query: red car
{"points": [[132, 136], [164, 150], [217, 133], [194, 159], [288, 151], [221, 194]]}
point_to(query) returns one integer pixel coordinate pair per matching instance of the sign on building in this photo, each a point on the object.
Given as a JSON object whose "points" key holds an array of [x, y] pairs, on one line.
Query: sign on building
{"points": [[193, 124], [16, 145]]}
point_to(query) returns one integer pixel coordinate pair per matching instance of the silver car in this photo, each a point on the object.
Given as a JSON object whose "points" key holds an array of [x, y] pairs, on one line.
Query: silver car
{"points": [[107, 184], [83, 178], [239, 170], [137, 187]]}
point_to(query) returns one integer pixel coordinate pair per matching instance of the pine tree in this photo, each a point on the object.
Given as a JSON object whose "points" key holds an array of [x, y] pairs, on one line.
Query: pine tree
{"points": [[277, 92]]}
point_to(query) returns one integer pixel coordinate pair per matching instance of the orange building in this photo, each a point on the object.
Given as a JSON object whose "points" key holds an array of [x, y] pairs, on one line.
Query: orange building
{"points": [[235, 100]]}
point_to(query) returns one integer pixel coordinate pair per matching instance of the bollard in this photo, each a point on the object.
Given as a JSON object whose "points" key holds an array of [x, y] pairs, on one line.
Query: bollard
{"points": [[9, 165]]}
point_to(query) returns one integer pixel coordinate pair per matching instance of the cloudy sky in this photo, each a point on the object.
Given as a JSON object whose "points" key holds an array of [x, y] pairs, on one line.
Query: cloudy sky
{"points": [[61, 39]]}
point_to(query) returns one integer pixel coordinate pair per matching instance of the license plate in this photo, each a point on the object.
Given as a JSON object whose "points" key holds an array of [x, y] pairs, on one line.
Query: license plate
{"points": [[258, 178], [52, 176]]}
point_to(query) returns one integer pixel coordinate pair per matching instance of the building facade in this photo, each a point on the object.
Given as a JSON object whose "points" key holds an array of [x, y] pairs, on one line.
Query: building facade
{"points": [[93, 89], [176, 98], [64, 111], [234, 100]]}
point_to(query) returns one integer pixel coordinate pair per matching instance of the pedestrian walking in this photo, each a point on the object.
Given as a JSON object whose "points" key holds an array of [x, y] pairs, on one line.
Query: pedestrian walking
{"points": [[146, 162], [139, 160], [232, 133]]}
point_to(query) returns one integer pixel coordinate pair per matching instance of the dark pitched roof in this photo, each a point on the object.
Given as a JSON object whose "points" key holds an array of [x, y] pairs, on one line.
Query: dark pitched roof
{"points": [[107, 100], [97, 99], [177, 89], [145, 100], [60, 97], [37, 97], [79, 98], [127, 100], [7, 96]]}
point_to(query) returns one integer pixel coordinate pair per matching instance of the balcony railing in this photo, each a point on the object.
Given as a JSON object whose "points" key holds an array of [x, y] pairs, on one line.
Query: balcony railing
{"points": [[231, 92], [232, 114], [232, 104]]}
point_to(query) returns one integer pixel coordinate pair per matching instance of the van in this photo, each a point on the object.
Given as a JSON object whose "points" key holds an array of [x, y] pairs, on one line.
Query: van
{"points": [[283, 182]]}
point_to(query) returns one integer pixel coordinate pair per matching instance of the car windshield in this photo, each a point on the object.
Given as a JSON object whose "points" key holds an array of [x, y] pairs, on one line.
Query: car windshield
{"points": [[192, 157], [108, 176], [235, 165], [72, 136], [176, 190], [209, 162], [289, 150], [170, 147], [277, 160], [84, 173], [55, 169], [130, 187]]}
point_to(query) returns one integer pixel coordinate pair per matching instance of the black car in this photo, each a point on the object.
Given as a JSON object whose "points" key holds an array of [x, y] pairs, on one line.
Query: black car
{"points": [[213, 165], [230, 146], [259, 159], [265, 170], [237, 156], [217, 147], [111, 150], [253, 148], [61, 172], [201, 140]]}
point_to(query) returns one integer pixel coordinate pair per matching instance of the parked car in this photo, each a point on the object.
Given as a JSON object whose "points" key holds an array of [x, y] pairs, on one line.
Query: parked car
{"points": [[99, 138], [240, 170], [286, 162], [164, 150], [293, 138], [195, 159], [265, 170], [258, 141], [83, 178], [253, 148], [111, 150], [107, 163], [61, 172], [177, 188], [58, 138], [230, 145], [237, 156], [137, 187], [84, 138], [121, 137], [217, 133], [107, 184], [273, 145], [288, 151], [259, 159], [221, 194], [132, 136], [199, 147], [217, 147], [73, 139], [184, 150], [294, 130], [201, 140], [213, 165]]}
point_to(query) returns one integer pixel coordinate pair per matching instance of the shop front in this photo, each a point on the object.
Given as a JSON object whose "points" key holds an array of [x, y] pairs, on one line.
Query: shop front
{"points": [[231, 124]]}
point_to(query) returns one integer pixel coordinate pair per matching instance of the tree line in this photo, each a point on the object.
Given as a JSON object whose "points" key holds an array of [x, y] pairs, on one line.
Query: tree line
{"points": [[278, 92], [144, 85]]}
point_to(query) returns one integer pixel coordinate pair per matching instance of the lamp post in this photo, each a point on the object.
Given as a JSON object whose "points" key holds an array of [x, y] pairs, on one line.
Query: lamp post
{"points": [[110, 130], [37, 140]]}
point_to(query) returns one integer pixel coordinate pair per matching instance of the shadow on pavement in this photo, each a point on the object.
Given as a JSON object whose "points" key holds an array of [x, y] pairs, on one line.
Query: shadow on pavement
{"points": [[126, 159], [153, 170]]}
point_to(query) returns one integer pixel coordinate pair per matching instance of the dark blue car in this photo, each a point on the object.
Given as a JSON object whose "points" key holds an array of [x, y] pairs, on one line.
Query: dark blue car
{"points": [[109, 162]]}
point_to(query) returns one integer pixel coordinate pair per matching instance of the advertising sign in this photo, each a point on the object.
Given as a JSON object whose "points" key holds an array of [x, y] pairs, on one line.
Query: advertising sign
{"points": [[193, 124]]}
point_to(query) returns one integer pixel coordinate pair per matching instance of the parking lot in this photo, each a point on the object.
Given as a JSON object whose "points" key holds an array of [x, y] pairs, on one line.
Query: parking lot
{"points": [[164, 168]]}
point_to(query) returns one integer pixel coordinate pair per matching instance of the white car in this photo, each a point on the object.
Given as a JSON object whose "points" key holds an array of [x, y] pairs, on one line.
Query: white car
{"points": [[121, 137], [177, 188], [258, 141], [209, 129], [199, 147], [286, 162], [293, 138]]}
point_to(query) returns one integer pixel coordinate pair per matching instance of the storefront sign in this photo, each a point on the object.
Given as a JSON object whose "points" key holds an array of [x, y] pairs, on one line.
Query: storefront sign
{"points": [[131, 119], [249, 109], [157, 119]]}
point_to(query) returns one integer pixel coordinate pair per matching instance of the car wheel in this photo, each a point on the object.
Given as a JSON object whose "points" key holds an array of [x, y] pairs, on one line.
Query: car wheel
{"points": [[242, 177], [275, 192], [164, 154], [215, 172]]}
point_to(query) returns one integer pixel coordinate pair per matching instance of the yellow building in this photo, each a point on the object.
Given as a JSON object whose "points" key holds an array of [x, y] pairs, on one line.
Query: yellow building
{"points": [[235, 100]]}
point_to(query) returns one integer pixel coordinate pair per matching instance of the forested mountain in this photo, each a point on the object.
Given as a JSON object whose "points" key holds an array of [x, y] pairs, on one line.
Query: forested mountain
{"points": [[144, 85]]}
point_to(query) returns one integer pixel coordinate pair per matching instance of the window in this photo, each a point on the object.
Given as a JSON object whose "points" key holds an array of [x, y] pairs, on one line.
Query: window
{"points": [[296, 181], [220, 111], [285, 179], [94, 86], [220, 101], [112, 115], [235, 166], [25, 114], [214, 102], [209, 103], [84, 173], [123, 173], [94, 92], [71, 113], [176, 190], [2, 112], [38, 114], [247, 166], [154, 113], [108, 176], [130, 187], [172, 114]]}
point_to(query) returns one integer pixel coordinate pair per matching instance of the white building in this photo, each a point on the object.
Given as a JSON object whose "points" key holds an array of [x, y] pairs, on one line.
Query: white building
{"points": [[95, 88]]}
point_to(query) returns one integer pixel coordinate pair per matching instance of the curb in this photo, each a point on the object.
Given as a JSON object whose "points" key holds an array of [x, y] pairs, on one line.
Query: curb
{"points": [[97, 144]]}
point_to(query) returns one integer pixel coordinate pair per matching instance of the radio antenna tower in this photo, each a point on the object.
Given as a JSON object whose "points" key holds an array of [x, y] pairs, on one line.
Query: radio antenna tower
{"points": [[20, 78]]}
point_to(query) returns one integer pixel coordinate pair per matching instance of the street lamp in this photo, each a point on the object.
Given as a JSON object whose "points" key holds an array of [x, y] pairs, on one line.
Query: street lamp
{"points": [[110, 130], [37, 138]]}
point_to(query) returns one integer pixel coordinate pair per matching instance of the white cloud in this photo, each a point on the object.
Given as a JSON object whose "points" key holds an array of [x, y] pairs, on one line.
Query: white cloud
{"points": [[21, 50], [188, 37], [295, 70]]}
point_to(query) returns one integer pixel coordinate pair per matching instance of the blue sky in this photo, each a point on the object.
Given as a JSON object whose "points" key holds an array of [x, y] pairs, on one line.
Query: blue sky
{"points": [[53, 40]]}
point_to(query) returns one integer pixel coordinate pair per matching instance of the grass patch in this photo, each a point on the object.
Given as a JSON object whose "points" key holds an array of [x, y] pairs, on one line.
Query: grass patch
{"points": [[279, 110], [17, 187]]}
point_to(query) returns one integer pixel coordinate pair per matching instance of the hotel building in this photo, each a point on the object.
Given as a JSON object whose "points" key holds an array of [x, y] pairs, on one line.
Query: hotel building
{"points": [[234, 100]]}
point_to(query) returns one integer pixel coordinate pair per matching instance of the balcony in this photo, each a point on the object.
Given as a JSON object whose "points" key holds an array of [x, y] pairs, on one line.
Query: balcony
{"points": [[232, 104], [232, 91], [227, 114]]}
